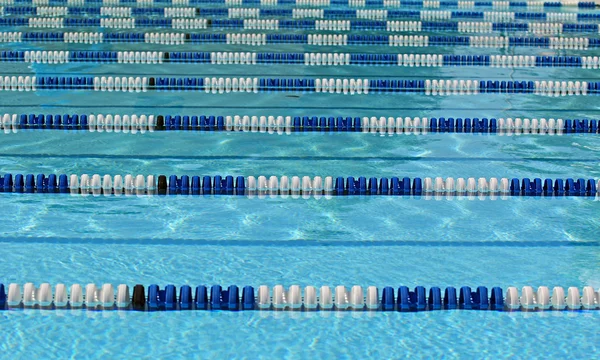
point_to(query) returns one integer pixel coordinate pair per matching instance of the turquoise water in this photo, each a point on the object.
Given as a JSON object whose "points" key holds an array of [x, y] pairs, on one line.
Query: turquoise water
{"points": [[300, 335], [365, 241], [360, 240], [380, 241]]}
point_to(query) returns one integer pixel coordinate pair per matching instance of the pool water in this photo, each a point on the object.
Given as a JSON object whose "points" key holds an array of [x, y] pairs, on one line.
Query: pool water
{"points": [[255, 240]]}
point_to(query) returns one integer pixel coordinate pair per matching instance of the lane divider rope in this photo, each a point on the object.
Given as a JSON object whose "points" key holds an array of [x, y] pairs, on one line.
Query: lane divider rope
{"points": [[296, 13], [295, 85], [141, 123], [371, 4], [295, 298], [317, 25], [307, 59], [445, 4], [295, 185], [387, 26], [262, 39]]}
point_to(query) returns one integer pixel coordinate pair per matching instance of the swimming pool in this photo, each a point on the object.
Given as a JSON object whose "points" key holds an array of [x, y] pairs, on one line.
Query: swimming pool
{"points": [[454, 90]]}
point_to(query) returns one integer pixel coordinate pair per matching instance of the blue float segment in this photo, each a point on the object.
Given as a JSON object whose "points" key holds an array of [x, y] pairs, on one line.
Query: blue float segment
{"points": [[588, 16], [154, 298], [417, 188], [216, 297], [30, 183], [240, 185], [213, 12], [222, 186], [175, 84], [435, 298], [387, 299], [170, 296], [207, 184], [510, 27], [224, 299], [450, 298], [547, 187], [412, 300], [233, 298], [570, 187], [405, 186], [356, 186], [537, 16], [339, 188], [185, 184], [591, 187], [439, 26], [124, 37], [404, 14], [186, 301], [52, 183], [496, 299], [248, 299], [201, 298], [404, 300], [515, 188], [196, 186], [465, 300], [419, 298], [559, 187], [7, 183], [63, 183], [384, 186], [480, 298], [505, 87], [18, 183], [218, 185], [580, 28], [2, 296]]}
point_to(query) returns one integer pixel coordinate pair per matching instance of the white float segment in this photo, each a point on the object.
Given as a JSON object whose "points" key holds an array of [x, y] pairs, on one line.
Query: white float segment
{"points": [[589, 299], [310, 297], [61, 296], [558, 298], [29, 294], [107, 296], [542, 298], [512, 298], [527, 299], [91, 295], [14, 297], [264, 298], [123, 298], [325, 298], [573, 298], [76, 299]]}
